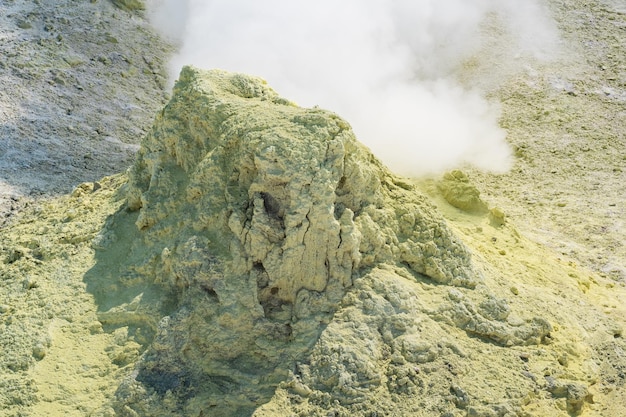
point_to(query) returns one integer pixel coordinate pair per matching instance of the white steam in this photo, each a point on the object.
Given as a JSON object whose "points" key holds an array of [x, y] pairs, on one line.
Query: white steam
{"points": [[390, 67]]}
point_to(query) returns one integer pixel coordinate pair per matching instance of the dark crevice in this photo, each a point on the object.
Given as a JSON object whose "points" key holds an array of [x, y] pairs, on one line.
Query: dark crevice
{"points": [[272, 205]]}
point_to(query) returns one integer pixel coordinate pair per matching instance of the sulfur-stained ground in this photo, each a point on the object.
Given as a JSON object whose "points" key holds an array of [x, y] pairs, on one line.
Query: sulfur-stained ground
{"points": [[76, 115]]}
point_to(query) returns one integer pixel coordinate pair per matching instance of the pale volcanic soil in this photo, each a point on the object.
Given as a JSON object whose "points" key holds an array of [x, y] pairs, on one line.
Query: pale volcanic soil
{"points": [[81, 83], [567, 124]]}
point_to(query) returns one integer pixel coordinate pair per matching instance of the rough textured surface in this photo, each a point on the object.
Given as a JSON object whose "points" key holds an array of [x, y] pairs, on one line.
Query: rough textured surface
{"points": [[298, 192], [81, 81], [565, 122], [459, 192], [256, 221], [56, 360], [63, 354]]}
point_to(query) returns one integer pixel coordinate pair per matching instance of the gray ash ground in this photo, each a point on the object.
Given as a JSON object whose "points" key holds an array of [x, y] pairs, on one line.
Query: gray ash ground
{"points": [[81, 82]]}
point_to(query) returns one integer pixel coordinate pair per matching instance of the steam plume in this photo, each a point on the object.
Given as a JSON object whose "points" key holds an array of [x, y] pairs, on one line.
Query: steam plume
{"points": [[390, 67]]}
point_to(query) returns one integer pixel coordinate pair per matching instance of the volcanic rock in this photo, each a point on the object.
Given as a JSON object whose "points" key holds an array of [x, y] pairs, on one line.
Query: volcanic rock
{"points": [[459, 192], [262, 244]]}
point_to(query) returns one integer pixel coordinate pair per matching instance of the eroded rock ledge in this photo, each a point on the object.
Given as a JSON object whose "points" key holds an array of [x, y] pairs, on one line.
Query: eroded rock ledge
{"points": [[269, 245]]}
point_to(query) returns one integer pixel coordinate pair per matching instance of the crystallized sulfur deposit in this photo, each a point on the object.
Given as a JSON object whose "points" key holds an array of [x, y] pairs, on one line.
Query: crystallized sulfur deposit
{"points": [[266, 260]]}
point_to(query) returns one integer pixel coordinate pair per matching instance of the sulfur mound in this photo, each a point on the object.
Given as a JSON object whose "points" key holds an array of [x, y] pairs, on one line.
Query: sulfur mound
{"points": [[263, 246], [459, 192]]}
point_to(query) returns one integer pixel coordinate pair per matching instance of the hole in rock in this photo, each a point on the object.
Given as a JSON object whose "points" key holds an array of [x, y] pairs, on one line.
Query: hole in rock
{"points": [[271, 204], [209, 291], [340, 187], [262, 279]]}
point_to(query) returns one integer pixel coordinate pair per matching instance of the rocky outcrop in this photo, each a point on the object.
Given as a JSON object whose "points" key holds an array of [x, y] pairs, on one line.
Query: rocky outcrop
{"points": [[459, 192], [298, 194], [260, 236]]}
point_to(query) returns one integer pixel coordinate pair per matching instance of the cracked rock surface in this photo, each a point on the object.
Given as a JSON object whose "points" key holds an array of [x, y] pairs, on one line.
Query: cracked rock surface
{"points": [[280, 250]]}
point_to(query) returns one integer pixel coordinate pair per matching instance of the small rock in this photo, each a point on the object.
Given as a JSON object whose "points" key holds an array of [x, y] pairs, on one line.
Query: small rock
{"points": [[462, 399], [496, 217], [73, 60], [95, 327], [575, 394], [15, 255], [58, 79], [39, 352], [24, 24], [460, 193], [29, 284], [110, 38], [103, 59]]}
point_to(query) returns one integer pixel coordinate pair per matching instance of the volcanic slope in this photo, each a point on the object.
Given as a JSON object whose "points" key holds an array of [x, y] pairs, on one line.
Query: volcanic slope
{"points": [[259, 261], [65, 354]]}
